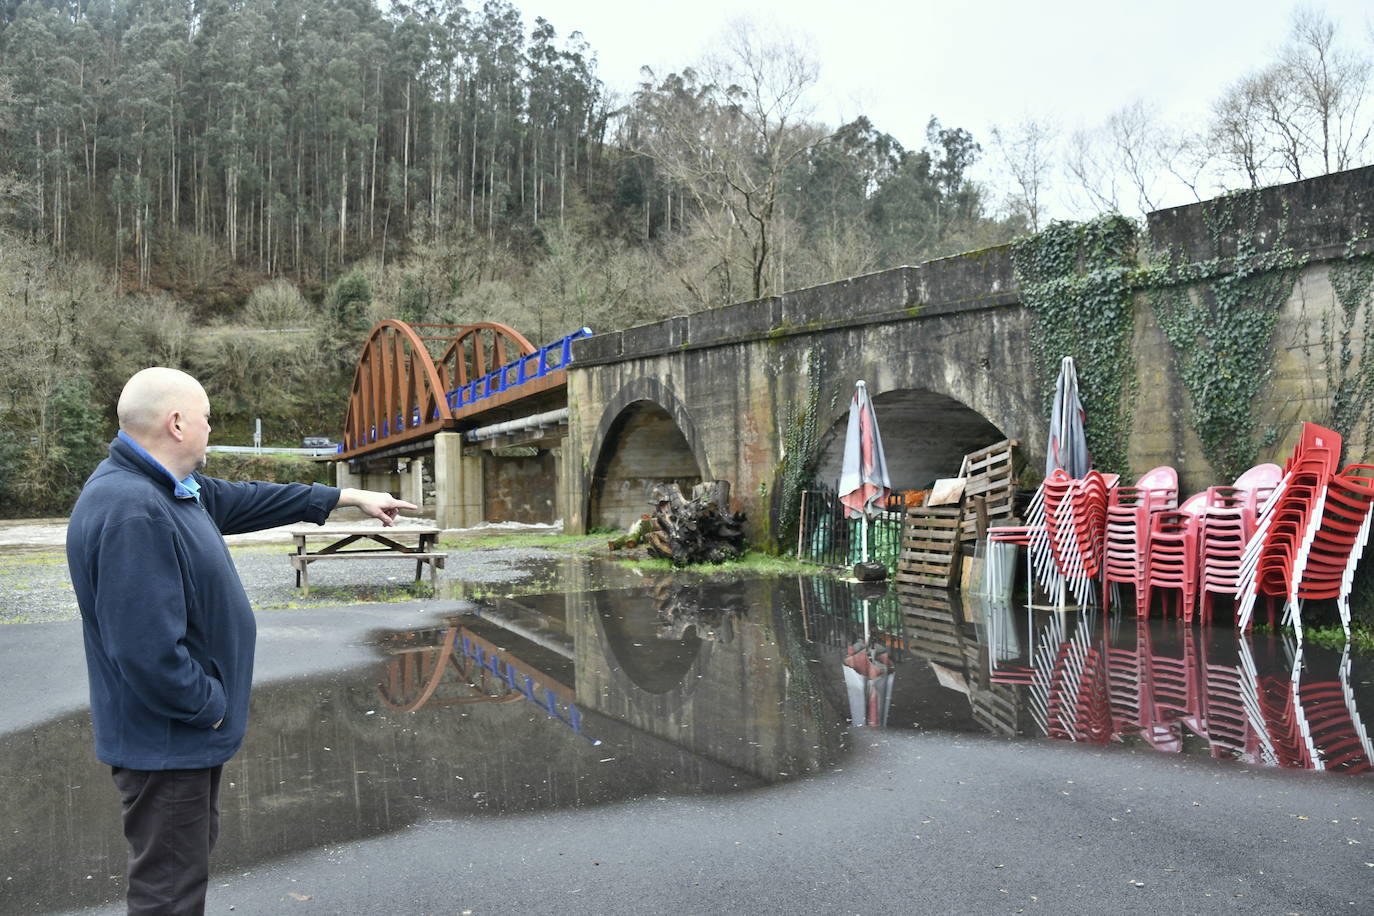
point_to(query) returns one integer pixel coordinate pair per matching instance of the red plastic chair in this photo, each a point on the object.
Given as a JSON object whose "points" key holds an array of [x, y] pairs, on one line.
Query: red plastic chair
{"points": [[1173, 559], [1127, 535]]}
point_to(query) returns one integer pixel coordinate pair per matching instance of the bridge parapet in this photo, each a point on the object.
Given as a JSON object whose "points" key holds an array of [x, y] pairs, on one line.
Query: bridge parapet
{"points": [[967, 282]]}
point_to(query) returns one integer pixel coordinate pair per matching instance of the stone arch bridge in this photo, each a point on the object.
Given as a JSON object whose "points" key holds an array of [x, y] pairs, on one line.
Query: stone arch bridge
{"points": [[944, 348]]}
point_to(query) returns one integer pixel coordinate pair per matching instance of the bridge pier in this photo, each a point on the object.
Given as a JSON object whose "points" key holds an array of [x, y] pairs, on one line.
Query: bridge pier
{"points": [[345, 477], [458, 497], [413, 482]]}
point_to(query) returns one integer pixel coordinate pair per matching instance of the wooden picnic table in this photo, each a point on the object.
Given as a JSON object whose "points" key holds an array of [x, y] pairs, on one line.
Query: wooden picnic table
{"points": [[394, 544]]}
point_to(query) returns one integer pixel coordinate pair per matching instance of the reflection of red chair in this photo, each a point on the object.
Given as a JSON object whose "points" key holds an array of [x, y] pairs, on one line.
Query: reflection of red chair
{"points": [[1127, 538], [1223, 709], [1336, 733], [1079, 703], [1282, 713], [1173, 557]]}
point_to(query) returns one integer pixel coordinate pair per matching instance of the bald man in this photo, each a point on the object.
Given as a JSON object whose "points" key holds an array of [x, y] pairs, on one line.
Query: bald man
{"points": [[168, 629]]}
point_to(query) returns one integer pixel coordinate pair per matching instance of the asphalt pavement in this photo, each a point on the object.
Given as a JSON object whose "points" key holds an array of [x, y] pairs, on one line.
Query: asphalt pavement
{"points": [[912, 822]]}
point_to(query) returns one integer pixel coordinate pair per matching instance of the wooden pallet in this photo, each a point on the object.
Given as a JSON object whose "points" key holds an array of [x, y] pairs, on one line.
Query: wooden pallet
{"points": [[930, 547], [991, 476]]}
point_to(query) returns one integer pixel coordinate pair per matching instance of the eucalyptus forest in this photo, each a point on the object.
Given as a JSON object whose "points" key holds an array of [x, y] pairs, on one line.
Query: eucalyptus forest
{"points": [[241, 188]]}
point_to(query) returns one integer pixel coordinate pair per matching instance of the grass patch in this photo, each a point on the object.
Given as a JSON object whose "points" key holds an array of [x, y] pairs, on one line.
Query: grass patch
{"points": [[754, 562], [1333, 637], [330, 595], [496, 539]]}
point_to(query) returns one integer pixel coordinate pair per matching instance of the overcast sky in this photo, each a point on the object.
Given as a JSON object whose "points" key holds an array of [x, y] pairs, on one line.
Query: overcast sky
{"points": [[971, 65]]}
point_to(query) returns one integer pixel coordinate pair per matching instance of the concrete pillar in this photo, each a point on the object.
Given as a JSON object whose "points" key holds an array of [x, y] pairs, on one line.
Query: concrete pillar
{"points": [[558, 485], [413, 482], [382, 482], [458, 497], [344, 476]]}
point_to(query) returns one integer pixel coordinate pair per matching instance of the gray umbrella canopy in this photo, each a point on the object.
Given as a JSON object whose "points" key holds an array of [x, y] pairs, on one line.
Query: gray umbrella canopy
{"points": [[1068, 443]]}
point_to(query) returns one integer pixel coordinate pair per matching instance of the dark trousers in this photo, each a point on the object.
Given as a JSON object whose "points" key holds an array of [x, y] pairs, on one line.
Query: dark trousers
{"points": [[171, 820]]}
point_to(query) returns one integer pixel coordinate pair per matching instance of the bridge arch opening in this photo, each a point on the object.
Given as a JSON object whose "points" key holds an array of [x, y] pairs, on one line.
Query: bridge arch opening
{"points": [[643, 447], [925, 437]]}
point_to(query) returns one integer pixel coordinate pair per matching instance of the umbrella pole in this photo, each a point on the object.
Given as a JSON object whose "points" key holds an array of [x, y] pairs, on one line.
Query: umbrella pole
{"points": [[866, 623], [863, 537]]}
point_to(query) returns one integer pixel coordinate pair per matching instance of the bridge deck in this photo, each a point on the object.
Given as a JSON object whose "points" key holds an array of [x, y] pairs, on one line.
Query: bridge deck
{"points": [[401, 396]]}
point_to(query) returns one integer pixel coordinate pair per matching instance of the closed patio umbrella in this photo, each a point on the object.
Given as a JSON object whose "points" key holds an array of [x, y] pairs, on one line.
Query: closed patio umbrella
{"points": [[1068, 443], [864, 484]]}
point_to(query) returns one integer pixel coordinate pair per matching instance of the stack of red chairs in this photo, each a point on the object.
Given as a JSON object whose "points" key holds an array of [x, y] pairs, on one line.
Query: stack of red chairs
{"points": [[1327, 566], [1287, 526], [1127, 539], [1049, 550], [1080, 528], [1173, 557], [1227, 524], [1066, 525]]}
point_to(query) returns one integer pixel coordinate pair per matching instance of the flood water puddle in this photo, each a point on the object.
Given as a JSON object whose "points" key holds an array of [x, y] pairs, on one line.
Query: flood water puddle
{"points": [[678, 686]]}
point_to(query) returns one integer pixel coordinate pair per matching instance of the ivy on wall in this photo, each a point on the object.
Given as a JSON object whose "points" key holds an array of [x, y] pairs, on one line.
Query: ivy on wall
{"points": [[1348, 344], [800, 450], [1076, 279], [1219, 316]]}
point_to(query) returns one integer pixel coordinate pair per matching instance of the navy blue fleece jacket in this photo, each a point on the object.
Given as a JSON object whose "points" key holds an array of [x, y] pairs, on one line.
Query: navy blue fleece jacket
{"points": [[169, 631]]}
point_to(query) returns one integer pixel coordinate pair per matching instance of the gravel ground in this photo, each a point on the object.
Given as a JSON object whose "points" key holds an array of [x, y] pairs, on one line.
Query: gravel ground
{"points": [[36, 588]]}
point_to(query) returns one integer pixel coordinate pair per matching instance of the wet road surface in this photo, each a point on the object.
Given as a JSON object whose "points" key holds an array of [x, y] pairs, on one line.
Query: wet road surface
{"points": [[665, 745]]}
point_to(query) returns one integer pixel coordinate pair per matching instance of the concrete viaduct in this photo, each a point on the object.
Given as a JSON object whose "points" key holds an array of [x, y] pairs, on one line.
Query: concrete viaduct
{"points": [[944, 348]]}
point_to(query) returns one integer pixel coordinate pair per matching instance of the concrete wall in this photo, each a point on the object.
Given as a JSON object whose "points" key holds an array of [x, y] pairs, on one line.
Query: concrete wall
{"points": [[519, 489], [946, 347]]}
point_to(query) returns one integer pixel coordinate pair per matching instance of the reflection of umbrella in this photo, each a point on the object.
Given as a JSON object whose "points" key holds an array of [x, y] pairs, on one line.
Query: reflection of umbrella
{"points": [[1068, 445], [868, 674], [864, 483]]}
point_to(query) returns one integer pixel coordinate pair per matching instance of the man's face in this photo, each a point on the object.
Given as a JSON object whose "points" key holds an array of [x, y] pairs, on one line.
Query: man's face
{"points": [[198, 431]]}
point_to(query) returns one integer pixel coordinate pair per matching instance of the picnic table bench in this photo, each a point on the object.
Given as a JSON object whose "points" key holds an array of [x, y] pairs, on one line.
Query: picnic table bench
{"points": [[392, 543]]}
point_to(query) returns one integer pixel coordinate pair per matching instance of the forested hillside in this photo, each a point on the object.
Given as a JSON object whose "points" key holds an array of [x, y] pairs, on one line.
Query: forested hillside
{"points": [[242, 188]]}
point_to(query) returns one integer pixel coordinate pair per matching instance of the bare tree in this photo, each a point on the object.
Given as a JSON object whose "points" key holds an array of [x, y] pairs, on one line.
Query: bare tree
{"points": [[1138, 142], [1027, 151], [1237, 135], [1123, 162], [1092, 178], [1305, 114], [728, 139], [1330, 85]]}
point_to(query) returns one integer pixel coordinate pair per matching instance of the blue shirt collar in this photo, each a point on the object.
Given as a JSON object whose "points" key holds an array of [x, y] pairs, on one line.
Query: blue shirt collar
{"points": [[186, 488]]}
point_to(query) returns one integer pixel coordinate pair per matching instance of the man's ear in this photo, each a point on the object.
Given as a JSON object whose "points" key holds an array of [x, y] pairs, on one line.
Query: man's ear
{"points": [[174, 422]]}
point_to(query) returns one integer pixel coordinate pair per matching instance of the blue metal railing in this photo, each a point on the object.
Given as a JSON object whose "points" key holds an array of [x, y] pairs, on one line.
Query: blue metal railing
{"points": [[534, 692], [538, 364]]}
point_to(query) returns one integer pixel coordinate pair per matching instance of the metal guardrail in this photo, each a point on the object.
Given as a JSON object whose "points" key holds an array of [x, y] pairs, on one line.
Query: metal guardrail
{"points": [[270, 450]]}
